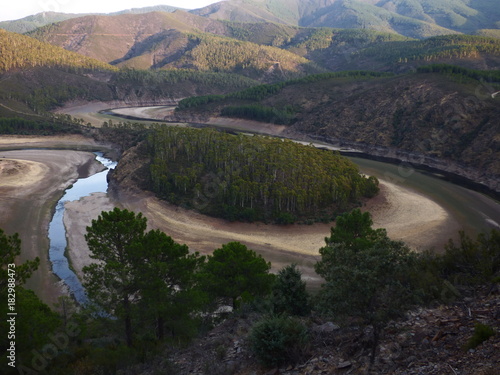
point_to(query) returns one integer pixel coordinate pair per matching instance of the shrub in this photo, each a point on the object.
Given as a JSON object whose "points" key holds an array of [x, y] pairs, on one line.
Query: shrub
{"points": [[289, 293], [482, 332], [278, 340]]}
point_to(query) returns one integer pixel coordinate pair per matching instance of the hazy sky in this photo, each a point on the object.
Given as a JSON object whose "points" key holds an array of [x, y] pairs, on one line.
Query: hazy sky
{"points": [[21, 8]]}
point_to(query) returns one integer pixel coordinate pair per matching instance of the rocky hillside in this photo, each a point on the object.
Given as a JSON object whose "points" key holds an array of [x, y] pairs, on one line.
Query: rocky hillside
{"points": [[429, 341]]}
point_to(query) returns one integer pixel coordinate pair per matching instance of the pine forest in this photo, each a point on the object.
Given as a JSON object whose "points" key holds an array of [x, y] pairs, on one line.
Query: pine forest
{"points": [[251, 178]]}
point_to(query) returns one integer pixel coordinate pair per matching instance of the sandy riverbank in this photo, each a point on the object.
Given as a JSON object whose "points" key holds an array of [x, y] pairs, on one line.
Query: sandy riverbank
{"points": [[31, 182], [406, 215]]}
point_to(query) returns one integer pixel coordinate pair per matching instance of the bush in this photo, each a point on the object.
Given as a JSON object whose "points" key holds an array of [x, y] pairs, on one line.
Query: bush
{"points": [[472, 261], [482, 333], [278, 340], [289, 293]]}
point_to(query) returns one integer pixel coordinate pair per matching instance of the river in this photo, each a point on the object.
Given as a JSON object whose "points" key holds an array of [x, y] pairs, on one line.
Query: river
{"points": [[83, 187]]}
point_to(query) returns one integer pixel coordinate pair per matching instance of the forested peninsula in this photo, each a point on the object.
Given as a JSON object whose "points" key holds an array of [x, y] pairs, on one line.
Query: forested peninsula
{"points": [[253, 178]]}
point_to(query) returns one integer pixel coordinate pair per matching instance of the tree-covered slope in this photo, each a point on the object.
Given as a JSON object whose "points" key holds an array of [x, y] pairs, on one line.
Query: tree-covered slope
{"points": [[179, 40], [414, 18], [20, 51], [187, 41]]}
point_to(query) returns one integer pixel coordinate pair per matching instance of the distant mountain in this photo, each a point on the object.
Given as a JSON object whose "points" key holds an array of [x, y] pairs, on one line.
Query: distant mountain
{"points": [[173, 40], [265, 51], [413, 18], [33, 22], [156, 8]]}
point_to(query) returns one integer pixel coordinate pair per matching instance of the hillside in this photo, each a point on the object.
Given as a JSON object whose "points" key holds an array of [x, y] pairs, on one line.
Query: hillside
{"points": [[436, 117], [35, 21], [359, 49], [37, 77], [413, 18], [172, 40], [19, 51], [263, 51]]}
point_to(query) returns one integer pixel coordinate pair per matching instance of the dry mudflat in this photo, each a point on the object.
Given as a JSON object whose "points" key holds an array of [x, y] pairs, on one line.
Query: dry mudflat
{"points": [[31, 182]]}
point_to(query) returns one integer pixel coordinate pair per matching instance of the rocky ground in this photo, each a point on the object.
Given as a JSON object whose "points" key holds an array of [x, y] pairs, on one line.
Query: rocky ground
{"points": [[428, 341]]}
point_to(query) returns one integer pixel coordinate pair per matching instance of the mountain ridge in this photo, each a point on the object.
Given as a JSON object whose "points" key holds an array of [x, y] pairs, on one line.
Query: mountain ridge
{"points": [[413, 18]]}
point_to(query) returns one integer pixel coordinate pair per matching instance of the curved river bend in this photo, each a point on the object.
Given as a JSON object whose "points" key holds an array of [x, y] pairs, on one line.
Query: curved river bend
{"points": [[473, 211], [83, 187]]}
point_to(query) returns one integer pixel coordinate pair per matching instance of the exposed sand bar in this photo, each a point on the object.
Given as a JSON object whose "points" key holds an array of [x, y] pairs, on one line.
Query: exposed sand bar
{"points": [[406, 215], [31, 182]]}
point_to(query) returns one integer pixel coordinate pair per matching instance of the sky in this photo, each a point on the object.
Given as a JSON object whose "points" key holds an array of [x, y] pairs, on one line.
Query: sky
{"points": [[21, 8]]}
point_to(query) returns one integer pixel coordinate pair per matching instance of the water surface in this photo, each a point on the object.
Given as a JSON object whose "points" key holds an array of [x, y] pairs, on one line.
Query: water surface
{"points": [[83, 187]]}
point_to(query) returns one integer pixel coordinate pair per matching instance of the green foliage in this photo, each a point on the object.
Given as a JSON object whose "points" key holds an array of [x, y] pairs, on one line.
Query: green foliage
{"points": [[261, 113], [463, 74], [20, 51], [234, 271], [258, 93], [471, 261], [354, 229], [144, 279], [368, 276], [279, 340], [17, 125], [111, 283], [432, 49], [482, 332], [34, 321], [289, 293], [162, 83], [166, 277], [10, 249], [252, 178]]}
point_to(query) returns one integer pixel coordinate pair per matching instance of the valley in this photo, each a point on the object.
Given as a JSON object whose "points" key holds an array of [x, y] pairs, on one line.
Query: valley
{"points": [[319, 173], [411, 209]]}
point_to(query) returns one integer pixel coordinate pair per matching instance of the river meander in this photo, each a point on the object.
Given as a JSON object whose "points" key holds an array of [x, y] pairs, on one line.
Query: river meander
{"points": [[473, 211]]}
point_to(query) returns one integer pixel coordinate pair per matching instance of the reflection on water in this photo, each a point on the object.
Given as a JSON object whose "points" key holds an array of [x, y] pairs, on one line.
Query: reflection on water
{"points": [[96, 183]]}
